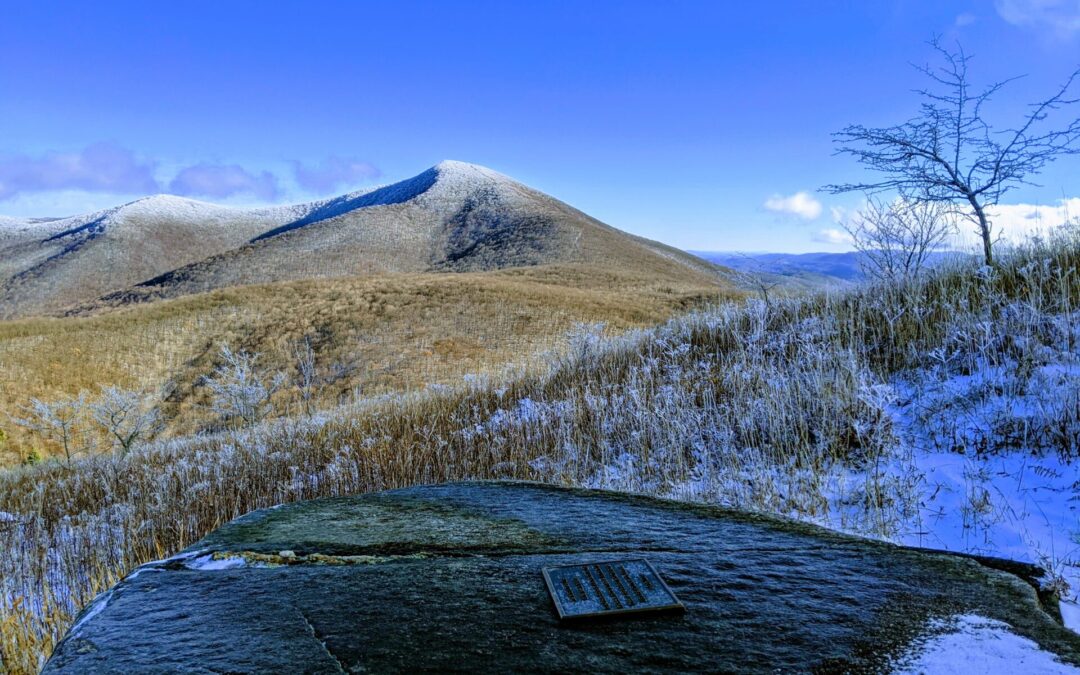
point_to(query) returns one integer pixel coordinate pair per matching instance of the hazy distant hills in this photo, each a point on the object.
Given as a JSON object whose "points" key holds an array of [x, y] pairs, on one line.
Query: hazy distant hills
{"points": [[454, 217], [800, 270], [795, 270]]}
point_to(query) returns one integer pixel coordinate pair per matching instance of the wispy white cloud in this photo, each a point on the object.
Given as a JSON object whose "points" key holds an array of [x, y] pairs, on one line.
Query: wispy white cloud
{"points": [[114, 171], [1014, 222], [334, 173], [1058, 18], [223, 180], [832, 235], [801, 204], [965, 19], [1010, 222], [101, 167]]}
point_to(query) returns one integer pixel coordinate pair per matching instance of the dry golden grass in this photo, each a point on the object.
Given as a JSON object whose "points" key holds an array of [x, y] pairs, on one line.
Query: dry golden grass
{"points": [[401, 332]]}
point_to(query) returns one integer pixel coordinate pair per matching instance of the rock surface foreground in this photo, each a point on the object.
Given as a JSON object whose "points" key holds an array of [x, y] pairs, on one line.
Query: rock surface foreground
{"points": [[448, 578]]}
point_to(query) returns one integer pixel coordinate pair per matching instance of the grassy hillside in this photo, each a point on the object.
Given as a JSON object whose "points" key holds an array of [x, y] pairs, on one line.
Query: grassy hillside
{"points": [[804, 407], [379, 334]]}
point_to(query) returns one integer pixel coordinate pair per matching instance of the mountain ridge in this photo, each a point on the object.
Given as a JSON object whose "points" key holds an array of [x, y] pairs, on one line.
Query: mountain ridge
{"points": [[453, 217]]}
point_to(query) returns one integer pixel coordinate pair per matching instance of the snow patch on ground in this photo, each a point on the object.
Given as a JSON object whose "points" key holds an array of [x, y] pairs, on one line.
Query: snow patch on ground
{"points": [[1006, 495], [143, 569], [97, 606], [1070, 615], [1013, 506], [973, 644], [209, 562], [981, 461]]}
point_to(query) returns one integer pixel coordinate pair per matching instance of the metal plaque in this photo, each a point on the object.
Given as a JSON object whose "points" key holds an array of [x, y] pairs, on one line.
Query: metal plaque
{"points": [[609, 588]]}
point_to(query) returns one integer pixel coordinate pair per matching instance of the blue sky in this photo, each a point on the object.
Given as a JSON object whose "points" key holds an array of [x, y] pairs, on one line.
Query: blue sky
{"points": [[696, 123]]}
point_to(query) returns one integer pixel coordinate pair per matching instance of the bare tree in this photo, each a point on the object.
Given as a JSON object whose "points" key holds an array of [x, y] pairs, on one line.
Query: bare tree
{"points": [[240, 389], [310, 377], [307, 374], [340, 370], [950, 153], [754, 276], [129, 417], [895, 239], [60, 421]]}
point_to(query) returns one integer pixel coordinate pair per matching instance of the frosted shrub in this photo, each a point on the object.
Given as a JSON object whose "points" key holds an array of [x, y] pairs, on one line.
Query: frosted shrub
{"points": [[584, 343], [127, 417], [240, 390], [61, 422]]}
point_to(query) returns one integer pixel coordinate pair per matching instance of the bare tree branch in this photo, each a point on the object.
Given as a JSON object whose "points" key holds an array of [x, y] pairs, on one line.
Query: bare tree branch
{"points": [[950, 153], [241, 390], [129, 417], [896, 239], [58, 421]]}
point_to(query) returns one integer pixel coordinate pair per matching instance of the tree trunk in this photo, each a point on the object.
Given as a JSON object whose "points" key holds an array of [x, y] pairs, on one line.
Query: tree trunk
{"points": [[984, 231]]}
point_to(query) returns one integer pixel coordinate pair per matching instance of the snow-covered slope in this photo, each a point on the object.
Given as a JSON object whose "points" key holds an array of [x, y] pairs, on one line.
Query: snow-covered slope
{"points": [[453, 217], [50, 264]]}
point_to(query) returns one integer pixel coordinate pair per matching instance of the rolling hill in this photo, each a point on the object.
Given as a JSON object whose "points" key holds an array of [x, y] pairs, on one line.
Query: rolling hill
{"points": [[454, 217]]}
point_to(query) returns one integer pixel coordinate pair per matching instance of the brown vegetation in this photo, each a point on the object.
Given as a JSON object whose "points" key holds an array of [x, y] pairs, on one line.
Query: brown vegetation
{"points": [[379, 334]]}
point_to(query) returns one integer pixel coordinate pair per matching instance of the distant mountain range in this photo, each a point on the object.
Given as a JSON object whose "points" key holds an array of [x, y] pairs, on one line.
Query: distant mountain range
{"points": [[454, 217], [801, 270]]}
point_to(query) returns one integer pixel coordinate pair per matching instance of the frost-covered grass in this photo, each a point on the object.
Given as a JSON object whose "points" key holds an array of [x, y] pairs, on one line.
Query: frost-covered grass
{"points": [[834, 408]]}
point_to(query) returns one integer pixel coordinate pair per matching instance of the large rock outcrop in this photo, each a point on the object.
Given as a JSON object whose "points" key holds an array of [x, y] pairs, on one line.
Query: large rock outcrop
{"points": [[449, 578]]}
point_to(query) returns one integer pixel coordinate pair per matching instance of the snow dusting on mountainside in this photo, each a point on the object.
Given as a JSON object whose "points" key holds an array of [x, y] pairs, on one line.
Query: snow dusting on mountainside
{"points": [[177, 209], [453, 217], [457, 179]]}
